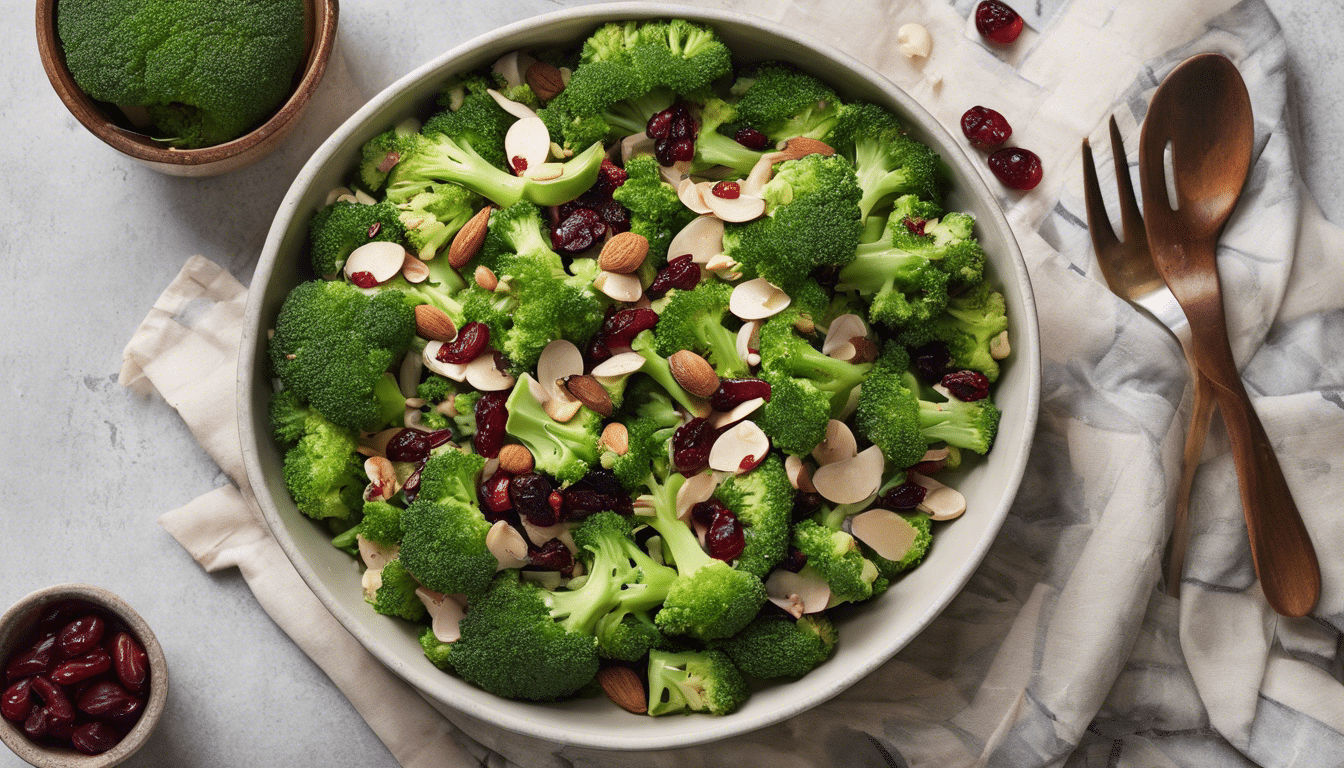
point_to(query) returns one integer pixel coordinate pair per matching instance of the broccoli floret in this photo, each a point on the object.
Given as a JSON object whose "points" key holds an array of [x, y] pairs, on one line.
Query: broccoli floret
{"points": [[783, 351], [381, 154], [432, 218], [713, 148], [395, 595], [465, 405], [892, 415], [694, 681], [919, 546], [694, 320], [381, 523], [287, 416], [206, 71], [343, 226], [435, 390], [812, 220], [657, 367], [782, 102], [904, 288], [323, 472], [680, 56], [627, 630], [443, 531], [773, 647], [796, 416], [762, 500], [948, 241], [970, 323], [435, 649], [889, 162], [564, 451], [835, 556], [652, 424], [332, 345], [710, 599], [478, 121], [655, 210], [970, 426]]}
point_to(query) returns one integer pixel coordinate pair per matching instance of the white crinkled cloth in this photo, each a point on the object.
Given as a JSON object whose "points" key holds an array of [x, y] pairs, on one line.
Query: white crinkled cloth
{"points": [[1061, 651]]}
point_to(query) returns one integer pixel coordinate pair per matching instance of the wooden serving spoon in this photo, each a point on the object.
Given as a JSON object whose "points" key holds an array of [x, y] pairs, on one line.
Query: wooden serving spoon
{"points": [[1202, 110]]}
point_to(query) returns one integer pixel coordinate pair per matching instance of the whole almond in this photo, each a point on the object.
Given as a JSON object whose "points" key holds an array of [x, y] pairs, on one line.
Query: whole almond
{"points": [[616, 438], [433, 323], [623, 687], [693, 373], [545, 80], [486, 278], [467, 242], [515, 459], [624, 253], [801, 146], [590, 392]]}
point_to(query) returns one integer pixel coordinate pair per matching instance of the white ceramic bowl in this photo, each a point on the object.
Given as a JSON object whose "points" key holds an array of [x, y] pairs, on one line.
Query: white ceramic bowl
{"points": [[868, 637]]}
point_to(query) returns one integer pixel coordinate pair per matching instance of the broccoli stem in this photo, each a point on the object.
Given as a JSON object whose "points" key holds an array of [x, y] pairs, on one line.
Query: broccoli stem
{"points": [[678, 539], [660, 370]]}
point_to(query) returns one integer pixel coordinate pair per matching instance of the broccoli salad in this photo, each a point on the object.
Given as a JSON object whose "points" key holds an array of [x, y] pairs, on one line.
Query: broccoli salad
{"points": [[632, 367]]}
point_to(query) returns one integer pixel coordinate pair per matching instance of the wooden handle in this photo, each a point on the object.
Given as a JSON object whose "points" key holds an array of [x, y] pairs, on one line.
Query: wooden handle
{"points": [[1200, 416]]}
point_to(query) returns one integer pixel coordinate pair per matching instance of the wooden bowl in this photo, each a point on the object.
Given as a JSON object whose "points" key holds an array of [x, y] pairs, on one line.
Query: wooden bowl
{"points": [[320, 36]]}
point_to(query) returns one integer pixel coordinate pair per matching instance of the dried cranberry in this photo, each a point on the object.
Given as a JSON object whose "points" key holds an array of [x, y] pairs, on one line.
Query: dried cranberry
{"points": [[1016, 167], [94, 738], [681, 273], [690, 445], [932, 361], [704, 512], [54, 699], [408, 445], [494, 496], [659, 125], [752, 139], [552, 556], [578, 231], [491, 416], [16, 703], [622, 327], [985, 128], [915, 225], [471, 341], [794, 560], [734, 392], [38, 722], [34, 661], [530, 495], [673, 131], [805, 504], [613, 214], [72, 671], [412, 487], [725, 539], [998, 22], [967, 386], [374, 229], [519, 165], [670, 151], [902, 497], [597, 491], [728, 190], [438, 437], [363, 279], [106, 699], [609, 177]]}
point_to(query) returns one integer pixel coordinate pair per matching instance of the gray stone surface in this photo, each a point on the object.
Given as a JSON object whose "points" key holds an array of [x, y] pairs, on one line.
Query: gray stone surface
{"points": [[90, 239]]}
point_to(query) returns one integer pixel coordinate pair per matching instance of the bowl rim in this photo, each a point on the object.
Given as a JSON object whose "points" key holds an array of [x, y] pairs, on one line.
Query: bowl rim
{"points": [[711, 729], [135, 144], [14, 622]]}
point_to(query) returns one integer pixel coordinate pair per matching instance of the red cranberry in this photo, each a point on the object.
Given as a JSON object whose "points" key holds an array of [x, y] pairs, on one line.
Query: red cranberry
{"points": [[659, 125], [902, 497], [34, 661], [609, 177], [408, 445], [614, 215], [967, 386], [54, 699], [130, 660], [690, 445], [1016, 167], [752, 139], [519, 165], [725, 539], [494, 495], [363, 279], [93, 663], [673, 131], [579, 231], [805, 504], [531, 497], [552, 556], [932, 361], [704, 512], [728, 190], [985, 128], [915, 225], [998, 22], [622, 327], [106, 699], [681, 273], [794, 561], [491, 416], [468, 345], [734, 392], [412, 487]]}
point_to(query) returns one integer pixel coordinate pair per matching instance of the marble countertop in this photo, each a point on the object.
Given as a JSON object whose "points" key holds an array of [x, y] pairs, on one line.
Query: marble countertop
{"points": [[92, 238]]}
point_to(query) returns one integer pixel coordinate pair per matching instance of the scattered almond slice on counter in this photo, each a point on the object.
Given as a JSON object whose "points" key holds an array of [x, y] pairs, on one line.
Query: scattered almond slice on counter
{"points": [[852, 480], [738, 209], [559, 360], [507, 545], [740, 449], [702, 239], [529, 141], [798, 593], [691, 195], [626, 288], [445, 614], [518, 110], [380, 259], [739, 412], [913, 41], [696, 489], [940, 502], [800, 476], [484, 374], [887, 533], [757, 299], [838, 445]]}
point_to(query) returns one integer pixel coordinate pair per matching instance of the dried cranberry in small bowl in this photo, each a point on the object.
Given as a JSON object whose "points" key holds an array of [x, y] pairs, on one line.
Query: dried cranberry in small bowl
{"points": [[985, 128], [1016, 167], [998, 22]]}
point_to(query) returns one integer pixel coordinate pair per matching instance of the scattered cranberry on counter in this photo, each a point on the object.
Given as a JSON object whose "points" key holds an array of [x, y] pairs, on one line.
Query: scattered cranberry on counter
{"points": [[985, 128], [997, 22], [1016, 167]]}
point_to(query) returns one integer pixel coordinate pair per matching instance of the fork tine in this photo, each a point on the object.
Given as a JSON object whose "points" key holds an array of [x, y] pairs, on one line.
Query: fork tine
{"points": [[1098, 224], [1130, 218]]}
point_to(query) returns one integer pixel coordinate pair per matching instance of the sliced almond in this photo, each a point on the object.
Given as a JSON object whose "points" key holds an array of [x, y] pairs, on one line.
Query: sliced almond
{"points": [[371, 581], [562, 410], [738, 209], [376, 443], [538, 392], [691, 195], [375, 555], [513, 67], [696, 489], [801, 146], [838, 445], [762, 172], [445, 614], [940, 502], [485, 374], [515, 459], [800, 476], [737, 413], [749, 340], [520, 111], [545, 80], [757, 299], [544, 171], [485, 277], [468, 240], [626, 288], [414, 270], [841, 330], [433, 323], [887, 533], [383, 483], [865, 350], [617, 366], [381, 259], [364, 198], [998, 346], [798, 593], [507, 545], [624, 688], [740, 449], [721, 264], [454, 371], [336, 194], [408, 373], [615, 438], [560, 359], [675, 173], [540, 534], [693, 373], [635, 145], [588, 391], [702, 239], [624, 253], [527, 140], [852, 480]]}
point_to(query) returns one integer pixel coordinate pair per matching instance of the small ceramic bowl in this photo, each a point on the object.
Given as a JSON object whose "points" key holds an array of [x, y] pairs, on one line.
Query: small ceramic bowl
{"points": [[15, 626], [320, 37]]}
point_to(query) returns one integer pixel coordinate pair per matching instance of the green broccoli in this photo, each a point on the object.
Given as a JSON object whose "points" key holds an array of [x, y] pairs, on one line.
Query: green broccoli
{"points": [[783, 102], [395, 595], [323, 472], [694, 320], [431, 218], [889, 163], [436, 390], [774, 646], [343, 226], [904, 288], [650, 425], [891, 414], [948, 242], [762, 500], [919, 546], [465, 405], [627, 630], [694, 681], [835, 556], [381, 154], [655, 210], [784, 351], [381, 523], [660, 370], [435, 649], [564, 451], [797, 414], [443, 531], [713, 148], [207, 72], [287, 416], [332, 346], [971, 322], [680, 56]]}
